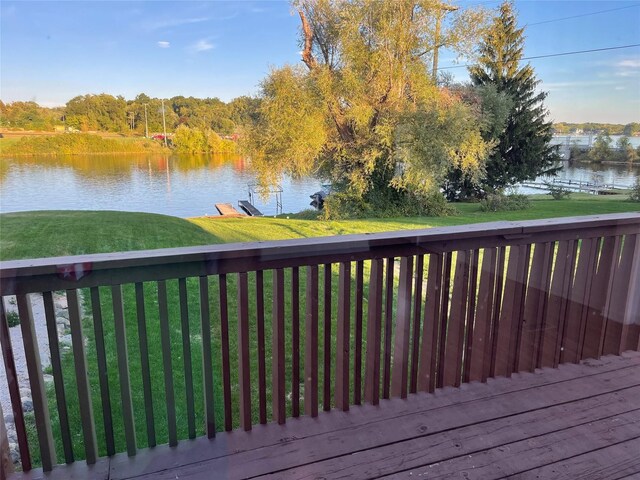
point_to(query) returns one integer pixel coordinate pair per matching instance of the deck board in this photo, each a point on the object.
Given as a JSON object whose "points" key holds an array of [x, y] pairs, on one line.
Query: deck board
{"points": [[525, 426]]}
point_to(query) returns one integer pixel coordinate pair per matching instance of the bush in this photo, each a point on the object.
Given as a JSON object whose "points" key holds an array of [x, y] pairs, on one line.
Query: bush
{"points": [[634, 196], [13, 319], [499, 202], [558, 192]]}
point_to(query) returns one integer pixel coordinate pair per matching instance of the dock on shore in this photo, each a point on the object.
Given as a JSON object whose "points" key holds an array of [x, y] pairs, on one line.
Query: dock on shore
{"points": [[227, 210]]}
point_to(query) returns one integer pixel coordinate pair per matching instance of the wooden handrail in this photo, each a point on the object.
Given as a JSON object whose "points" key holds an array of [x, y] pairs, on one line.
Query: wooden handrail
{"points": [[352, 318]]}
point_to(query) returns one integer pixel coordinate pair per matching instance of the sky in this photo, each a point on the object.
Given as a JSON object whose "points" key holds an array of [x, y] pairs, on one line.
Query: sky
{"points": [[52, 51]]}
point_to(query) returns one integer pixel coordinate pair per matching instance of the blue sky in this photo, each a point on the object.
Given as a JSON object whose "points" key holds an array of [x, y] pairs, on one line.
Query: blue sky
{"points": [[52, 51]]}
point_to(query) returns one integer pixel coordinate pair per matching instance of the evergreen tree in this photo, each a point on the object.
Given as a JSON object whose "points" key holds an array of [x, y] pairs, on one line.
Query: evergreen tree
{"points": [[523, 150]]}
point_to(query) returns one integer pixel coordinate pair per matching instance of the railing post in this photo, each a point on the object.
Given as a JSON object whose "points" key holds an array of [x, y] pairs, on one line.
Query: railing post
{"points": [[403, 328], [631, 321], [343, 337]]}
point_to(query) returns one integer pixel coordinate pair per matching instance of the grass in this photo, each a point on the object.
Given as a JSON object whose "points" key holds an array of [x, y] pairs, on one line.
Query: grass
{"points": [[41, 234]]}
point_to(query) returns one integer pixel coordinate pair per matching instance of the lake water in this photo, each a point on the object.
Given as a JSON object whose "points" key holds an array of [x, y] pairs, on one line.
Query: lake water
{"points": [[182, 186]]}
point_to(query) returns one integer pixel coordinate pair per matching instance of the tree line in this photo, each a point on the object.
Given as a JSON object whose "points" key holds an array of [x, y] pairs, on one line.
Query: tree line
{"points": [[108, 113], [628, 129]]}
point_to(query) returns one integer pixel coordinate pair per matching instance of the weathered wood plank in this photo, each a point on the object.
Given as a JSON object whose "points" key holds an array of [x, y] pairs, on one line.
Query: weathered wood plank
{"points": [[444, 319], [14, 389], [416, 317], [244, 365], [226, 361], [58, 379], [123, 370], [207, 359], [374, 324], [279, 409], [343, 339], [497, 308], [401, 352], [429, 344], [186, 356], [357, 354], [103, 374], [481, 344], [262, 368], [144, 365], [311, 344], [295, 342], [455, 328], [471, 315], [388, 326], [165, 342], [326, 351]]}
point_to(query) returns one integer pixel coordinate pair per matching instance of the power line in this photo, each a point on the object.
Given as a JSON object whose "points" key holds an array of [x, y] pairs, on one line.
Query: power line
{"points": [[581, 15], [554, 55]]}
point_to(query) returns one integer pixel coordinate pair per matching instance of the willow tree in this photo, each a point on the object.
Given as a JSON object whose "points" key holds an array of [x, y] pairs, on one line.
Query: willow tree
{"points": [[363, 109]]}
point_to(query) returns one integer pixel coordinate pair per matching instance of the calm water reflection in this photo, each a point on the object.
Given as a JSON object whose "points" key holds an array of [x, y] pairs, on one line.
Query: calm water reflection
{"points": [[182, 186]]}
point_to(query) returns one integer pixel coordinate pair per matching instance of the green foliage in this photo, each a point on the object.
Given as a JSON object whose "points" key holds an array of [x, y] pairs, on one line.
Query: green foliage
{"points": [[557, 192], [498, 202], [590, 127], [357, 115], [196, 140], [626, 152], [29, 116], [601, 151], [634, 196], [523, 147], [76, 143], [13, 319]]}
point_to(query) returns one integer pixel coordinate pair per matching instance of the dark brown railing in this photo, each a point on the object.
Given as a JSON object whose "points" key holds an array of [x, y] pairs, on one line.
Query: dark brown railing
{"points": [[350, 319]]}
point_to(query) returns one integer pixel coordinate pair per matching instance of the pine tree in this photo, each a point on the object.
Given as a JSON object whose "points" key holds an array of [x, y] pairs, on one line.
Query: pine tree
{"points": [[523, 151]]}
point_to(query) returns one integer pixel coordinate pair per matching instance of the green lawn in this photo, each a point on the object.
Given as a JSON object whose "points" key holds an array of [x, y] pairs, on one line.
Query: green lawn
{"points": [[41, 234]]}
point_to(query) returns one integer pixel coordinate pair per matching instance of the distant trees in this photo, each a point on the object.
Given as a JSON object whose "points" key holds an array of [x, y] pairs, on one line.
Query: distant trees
{"points": [[601, 151], [629, 129], [523, 149], [29, 116]]}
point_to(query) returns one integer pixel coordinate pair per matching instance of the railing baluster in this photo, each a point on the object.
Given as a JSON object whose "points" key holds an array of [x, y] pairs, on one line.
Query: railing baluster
{"points": [[278, 368], [357, 355], [295, 342], [14, 389], [186, 356], [471, 314], [522, 271], [326, 384], [165, 341], [244, 365], [415, 335], [58, 379], [429, 344], [617, 299], [82, 378], [374, 322], [226, 366], [343, 337], [103, 376], [444, 318], [534, 306], [576, 309], [36, 382], [144, 365], [481, 344], [311, 344], [123, 370], [388, 327], [455, 328], [403, 330], [207, 358], [631, 319], [558, 299], [262, 375], [544, 306]]}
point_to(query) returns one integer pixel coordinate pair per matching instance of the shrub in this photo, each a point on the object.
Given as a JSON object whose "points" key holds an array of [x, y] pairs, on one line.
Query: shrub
{"points": [[558, 192], [13, 319], [635, 191], [499, 202]]}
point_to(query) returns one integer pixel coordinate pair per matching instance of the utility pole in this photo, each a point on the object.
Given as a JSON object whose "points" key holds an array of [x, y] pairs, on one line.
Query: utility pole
{"points": [[164, 125], [436, 38], [146, 124]]}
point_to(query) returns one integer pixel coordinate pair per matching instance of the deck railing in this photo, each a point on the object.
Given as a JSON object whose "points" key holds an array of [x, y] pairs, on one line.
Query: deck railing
{"points": [[350, 319]]}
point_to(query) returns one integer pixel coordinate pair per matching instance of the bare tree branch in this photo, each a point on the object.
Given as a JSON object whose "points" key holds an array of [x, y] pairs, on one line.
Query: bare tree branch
{"points": [[307, 54]]}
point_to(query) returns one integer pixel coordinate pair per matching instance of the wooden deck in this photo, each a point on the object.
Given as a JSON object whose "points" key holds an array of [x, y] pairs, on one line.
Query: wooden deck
{"points": [[577, 421]]}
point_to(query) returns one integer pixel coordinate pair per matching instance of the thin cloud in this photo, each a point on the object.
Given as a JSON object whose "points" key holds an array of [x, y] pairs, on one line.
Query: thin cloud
{"points": [[173, 22], [631, 63], [201, 45], [163, 44]]}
